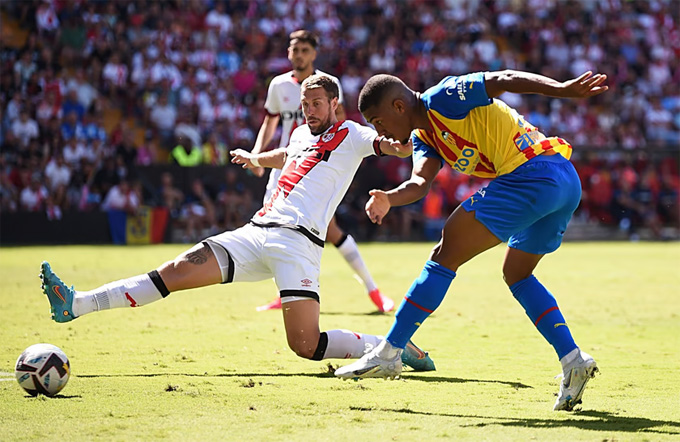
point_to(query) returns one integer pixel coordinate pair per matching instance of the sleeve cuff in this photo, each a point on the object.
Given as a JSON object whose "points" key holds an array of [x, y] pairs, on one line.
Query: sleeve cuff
{"points": [[376, 146]]}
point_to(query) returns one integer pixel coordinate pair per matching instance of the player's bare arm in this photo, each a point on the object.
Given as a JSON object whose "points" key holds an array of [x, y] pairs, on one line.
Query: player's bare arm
{"points": [[264, 137], [584, 86], [389, 146], [274, 159], [424, 172]]}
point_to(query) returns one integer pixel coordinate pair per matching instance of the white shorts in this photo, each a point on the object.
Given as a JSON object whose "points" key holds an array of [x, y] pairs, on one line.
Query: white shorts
{"points": [[253, 253], [272, 181]]}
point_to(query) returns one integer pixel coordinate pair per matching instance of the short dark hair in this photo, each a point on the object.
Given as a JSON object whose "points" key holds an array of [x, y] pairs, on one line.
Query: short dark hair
{"points": [[376, 88], [304, 36], [320, 80]]}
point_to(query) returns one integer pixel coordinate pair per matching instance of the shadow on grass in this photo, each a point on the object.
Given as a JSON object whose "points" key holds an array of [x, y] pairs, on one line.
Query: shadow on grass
{"points": [[415, 377], [59, 396], [409, 377], [596, 421], [373, 313]]}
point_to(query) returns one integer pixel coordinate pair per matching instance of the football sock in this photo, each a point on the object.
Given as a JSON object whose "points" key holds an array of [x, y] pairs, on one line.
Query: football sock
{"points": [[541, 307], [345, 344], [424, 296], [349, 250], [569, 357], [131, 292]]}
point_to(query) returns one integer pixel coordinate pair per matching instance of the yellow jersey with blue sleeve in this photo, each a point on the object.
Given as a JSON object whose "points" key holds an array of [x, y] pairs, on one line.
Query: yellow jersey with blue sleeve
{"points": [[477, 135]]}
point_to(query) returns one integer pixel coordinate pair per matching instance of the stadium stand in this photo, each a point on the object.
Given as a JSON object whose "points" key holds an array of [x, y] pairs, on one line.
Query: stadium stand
{"points": [[95, 93]]}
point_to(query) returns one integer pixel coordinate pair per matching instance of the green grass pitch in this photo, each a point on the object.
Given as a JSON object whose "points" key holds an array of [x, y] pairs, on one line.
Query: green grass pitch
{"points": [[203, 365]]}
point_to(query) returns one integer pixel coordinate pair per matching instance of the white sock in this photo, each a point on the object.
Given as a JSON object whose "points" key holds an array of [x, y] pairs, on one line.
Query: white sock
{"points": [[570, 357], [130, 292], [345, 344], [386, 351], [350, 252]]}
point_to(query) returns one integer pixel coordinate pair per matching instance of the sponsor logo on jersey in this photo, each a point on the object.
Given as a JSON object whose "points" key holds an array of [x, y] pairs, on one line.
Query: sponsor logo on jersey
{"points": [[460, 89], [306, 282], [292, 115]]}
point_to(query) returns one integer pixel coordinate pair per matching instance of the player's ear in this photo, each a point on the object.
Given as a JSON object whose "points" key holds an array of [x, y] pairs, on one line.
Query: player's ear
{"points": [[399, 105], [334, 103]]}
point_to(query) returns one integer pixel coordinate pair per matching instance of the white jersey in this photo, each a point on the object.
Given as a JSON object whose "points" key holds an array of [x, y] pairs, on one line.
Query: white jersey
{"points": [[283, 99], [316, 176]]}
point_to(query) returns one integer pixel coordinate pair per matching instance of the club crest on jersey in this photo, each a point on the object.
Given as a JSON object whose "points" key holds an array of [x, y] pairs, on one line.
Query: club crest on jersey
{"points": [[327, 137], [445, 135]]}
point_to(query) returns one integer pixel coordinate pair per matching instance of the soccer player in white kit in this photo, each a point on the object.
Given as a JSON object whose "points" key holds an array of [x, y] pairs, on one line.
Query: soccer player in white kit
{"points": [[283, 104], [283, 240]]}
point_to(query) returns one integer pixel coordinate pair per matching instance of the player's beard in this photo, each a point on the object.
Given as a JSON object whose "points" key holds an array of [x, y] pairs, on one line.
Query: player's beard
{"points": [[322, 127], [300, 67]]}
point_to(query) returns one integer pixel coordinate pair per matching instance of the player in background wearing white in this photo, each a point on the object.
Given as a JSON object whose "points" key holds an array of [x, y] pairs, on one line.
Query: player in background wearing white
{"points": [[283, 240], [283, 104]]}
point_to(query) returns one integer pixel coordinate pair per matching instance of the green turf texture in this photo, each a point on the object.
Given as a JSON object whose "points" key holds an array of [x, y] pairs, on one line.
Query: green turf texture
{"points": [[203, 365]]}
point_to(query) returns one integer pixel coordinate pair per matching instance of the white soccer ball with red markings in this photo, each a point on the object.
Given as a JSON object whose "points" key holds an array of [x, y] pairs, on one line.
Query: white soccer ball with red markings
{"points": [[42, 369]]}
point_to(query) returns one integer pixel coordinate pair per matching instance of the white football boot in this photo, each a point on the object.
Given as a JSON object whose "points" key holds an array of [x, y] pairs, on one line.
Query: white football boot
{"points": [[575, 375], [384, 361]]}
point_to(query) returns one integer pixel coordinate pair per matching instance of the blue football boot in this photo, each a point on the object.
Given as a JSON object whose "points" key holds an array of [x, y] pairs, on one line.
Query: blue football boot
{"points": [[417, 359], [60, 296]]}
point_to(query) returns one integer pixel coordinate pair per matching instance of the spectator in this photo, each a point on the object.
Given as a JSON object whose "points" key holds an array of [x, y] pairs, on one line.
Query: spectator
{"points": [[198, 213], [58, 176], [33, 196], [122, 197], [25, 129], [170, 196], [163, 117]]}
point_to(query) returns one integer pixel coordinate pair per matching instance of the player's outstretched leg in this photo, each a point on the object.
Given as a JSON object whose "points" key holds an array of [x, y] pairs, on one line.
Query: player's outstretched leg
{"points": [[60, 296], [576, 374]]}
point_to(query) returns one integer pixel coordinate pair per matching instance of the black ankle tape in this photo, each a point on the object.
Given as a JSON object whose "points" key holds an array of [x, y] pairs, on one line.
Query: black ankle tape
{"points": [[158, 282], [321, 347], [341, 240]]}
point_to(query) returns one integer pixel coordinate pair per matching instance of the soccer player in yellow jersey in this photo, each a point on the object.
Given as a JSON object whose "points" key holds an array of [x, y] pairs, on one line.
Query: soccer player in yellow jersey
{"points": [[533, 194]]}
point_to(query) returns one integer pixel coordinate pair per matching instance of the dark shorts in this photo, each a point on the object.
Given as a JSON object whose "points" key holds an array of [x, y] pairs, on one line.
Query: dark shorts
{"points": [[530, 207]]}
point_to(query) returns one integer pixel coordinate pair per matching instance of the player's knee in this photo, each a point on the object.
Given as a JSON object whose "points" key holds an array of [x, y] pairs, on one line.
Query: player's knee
{"points": [[304, 346], [302, 349], [513, 275], [444, 257]]}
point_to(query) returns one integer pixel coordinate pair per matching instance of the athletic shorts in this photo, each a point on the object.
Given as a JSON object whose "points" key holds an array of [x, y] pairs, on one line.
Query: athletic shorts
{"points": [[253, 253], [530, 207]]}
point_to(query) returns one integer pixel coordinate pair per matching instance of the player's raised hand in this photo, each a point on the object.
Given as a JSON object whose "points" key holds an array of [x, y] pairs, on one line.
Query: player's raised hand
{"points": [[244, 158], [586, 85], [377, 206]]}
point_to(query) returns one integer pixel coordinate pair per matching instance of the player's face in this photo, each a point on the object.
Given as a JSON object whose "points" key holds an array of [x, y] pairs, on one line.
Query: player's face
{"points": [[390, 120], [319, 110], [301, 55]]}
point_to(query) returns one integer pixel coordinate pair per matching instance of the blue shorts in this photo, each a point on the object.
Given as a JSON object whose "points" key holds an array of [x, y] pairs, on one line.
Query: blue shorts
{"points": [[531, 206]]}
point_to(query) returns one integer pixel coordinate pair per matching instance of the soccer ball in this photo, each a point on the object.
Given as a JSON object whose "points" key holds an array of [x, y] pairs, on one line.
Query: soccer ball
{"points": [[42, 369]]}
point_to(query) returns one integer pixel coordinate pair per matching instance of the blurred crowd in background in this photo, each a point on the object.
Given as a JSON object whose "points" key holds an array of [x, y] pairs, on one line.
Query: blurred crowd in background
{"points": [[92, 92]]}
